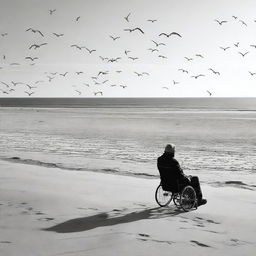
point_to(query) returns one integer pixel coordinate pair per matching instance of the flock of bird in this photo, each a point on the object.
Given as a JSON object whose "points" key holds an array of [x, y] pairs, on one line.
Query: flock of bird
{"points": [[100, 80]]}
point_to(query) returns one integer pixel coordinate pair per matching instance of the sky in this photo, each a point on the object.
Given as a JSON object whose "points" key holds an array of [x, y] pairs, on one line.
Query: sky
{"points": [[205, 59]]}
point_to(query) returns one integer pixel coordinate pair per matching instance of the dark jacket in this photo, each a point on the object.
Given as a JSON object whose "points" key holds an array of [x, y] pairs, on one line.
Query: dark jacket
{"points": [[170, 172]]}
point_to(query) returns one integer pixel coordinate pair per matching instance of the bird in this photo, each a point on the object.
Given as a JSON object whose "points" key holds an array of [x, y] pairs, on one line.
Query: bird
{"points": [[16, 83], [138, 74], [114, 38], [183, 70], [118, 71], [133, 58], [90, 51], [200, 55], [52, 11], [30, 87], [3, 91], [253, 45], [100, 92], [127, 17], [210, 94], [243, 54], [221, 22], [77, 46], [4, 57], [103, 58], [134, 29], [175, 82], [4, 34], [151, 20], [39, 81], [252, 73], [79, 72], [79, 93], [86, 84], [170, 34], [243, 22], [162, 56], [235, 17], [58, 35], [197, 76], [50, 78], [105, 81], [157, 44], [77, 18], [112, 85], [153, 49], [14, 64], [35, 31], [214, 72], [7, 85], [53, 73], [236, 45], [126, 52], [37, 45], [224, 48], [123, 86], [165, 88], [114, 59], [103, 73], [64, 74], [29, 93], [31, 58], [145, 73], [188, 59]]}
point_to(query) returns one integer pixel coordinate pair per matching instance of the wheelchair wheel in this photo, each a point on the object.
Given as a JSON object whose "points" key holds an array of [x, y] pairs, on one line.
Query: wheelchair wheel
{"points": [[188, 198], [176, 199], [163, 198]]}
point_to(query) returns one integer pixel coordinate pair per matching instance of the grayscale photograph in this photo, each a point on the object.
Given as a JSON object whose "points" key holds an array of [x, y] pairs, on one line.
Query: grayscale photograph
{"points": [[127, 127]]}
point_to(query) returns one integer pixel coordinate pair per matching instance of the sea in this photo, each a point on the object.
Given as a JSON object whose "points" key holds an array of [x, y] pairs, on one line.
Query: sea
{"points": [[124, 136]]}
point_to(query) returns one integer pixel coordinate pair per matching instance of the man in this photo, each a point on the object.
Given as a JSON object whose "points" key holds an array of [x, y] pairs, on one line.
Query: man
{"points": [[171, 174]]}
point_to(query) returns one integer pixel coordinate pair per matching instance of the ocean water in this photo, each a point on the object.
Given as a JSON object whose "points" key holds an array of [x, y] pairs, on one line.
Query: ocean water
{"points": [[127, 140]]}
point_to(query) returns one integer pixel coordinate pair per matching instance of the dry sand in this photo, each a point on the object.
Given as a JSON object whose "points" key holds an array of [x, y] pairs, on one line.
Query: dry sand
{"points": [[48, 211]]}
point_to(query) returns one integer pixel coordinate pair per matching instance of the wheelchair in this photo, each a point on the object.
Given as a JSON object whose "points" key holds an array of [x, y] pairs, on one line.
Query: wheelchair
{"points": [[184, 198]]}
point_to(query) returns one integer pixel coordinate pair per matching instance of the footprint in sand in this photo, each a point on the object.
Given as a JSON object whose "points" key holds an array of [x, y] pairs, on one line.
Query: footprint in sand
{"points": [[5, 242], [199, 244], [144, 235], [46, 219]]}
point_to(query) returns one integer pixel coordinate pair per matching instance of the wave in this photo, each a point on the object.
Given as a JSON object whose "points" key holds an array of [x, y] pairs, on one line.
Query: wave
{"points": [[60, 166]]}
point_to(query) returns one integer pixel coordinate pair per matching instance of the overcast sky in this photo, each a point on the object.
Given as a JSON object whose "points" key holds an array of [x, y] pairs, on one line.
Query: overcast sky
{"points": [[161, 72]]}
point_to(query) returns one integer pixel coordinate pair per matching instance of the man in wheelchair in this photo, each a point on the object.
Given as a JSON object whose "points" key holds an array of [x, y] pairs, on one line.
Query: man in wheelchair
{"points": [[172, 177]]}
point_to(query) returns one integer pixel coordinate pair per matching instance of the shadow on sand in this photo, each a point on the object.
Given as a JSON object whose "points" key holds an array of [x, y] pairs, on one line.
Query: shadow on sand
{"points": [[105, 219]]}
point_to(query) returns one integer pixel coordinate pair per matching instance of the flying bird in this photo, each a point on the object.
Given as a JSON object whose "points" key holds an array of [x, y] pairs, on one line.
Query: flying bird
{"points": [[29, 93], [77, 18], [133, 58], [170, 34], [16, 83], [35, 46], [157, 44], [7, 85], [52, 11], [210, 94], [4, 34], [64, 74], [252, 73], [50, 78], [183, 70], [100, 92], [214, 72], [221, 22], [243, 54], [188, 59], [165, 88], [134, 29], [236, 45], [126, 52], [114, 59], [114, 38], [30, 87], [32, 58], [103, 73], [200, 55], [123, 86], [127, 17], [79, 93], [253, 45], [243, 22], [153, 49], [197, 76], [103, 58], [152, 20], [58, 35], [175, 82], [235, 17], [224, 48], [77, 46], [90, 51], [35, 31], [79, 72], [162, 56], [4, 92]]}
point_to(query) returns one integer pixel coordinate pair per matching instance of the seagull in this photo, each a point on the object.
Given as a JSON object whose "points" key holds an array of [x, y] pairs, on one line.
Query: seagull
{"points": [[183, 70], [95, 93], [174, 82], [153, 49], [78, 92], [104, 81], [123, 86], [210, 94], [35, 31], [243, 54], [197, 76], [7, 85], [243, 22], [188, 59], [58, 35], [235, 17], [29, 93], [220, 22], [224, 48], [138, 74], [4, 34], [252, 73], [162, 56], [127, 17], [199, 55], [53, 73], [90, 51], [5, 92], [133, 58], [4, 57], [77, 46], [103, 73], [37, 45], [152, 20], [79, 72], [145, 73], [253, 45], [52, 11], [77, 18], [114, 59], [165, 88], [86, 84], [112, 85], [31, 58], [64, 74], [133, 29], [236, 44], [39, 81], [215, 72], [102, 58], [50, 78], [157, 44], [118, 71], [30, 87], [16, 83], [126, 52], [168, 35], [114, 38]]}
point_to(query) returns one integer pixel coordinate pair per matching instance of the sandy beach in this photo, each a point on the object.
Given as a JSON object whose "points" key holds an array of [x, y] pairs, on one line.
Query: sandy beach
{"points": [[48, 211]]}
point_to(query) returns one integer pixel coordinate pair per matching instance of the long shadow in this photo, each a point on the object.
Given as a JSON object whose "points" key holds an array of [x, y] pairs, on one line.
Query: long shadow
{"points": [[104, 219]]}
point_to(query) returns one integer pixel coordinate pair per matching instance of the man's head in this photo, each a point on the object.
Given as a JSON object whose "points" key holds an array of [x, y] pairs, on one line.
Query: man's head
{"points": [[170, 149]]}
